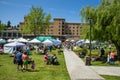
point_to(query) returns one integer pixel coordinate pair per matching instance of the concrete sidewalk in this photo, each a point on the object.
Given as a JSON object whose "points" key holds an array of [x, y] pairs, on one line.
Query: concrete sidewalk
{"points": [[106, 70], [77, 69]]}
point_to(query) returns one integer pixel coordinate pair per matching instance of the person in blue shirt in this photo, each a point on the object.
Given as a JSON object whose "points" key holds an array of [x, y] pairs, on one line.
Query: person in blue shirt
{"points": [[19, 59]]}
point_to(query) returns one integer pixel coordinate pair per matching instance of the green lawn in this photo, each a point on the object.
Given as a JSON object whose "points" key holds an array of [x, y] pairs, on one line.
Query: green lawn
{"points": [[107, 77], [8, 70], [95, 53]]}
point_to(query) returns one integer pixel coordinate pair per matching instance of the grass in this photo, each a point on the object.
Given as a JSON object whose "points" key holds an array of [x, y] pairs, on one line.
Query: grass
{"points": [[100, 63], [107, 77], [95, 53], [8, 70]]}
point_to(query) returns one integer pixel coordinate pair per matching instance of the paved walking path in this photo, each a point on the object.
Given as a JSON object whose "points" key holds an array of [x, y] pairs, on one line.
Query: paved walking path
{"points": [[77, 69], [105, 70]]}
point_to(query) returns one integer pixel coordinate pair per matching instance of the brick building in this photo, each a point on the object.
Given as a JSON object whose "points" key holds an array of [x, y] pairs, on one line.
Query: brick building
{"points": [[59, 28]]}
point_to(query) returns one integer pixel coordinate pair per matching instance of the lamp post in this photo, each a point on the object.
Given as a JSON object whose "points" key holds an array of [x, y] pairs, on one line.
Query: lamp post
{"points": [[90, 22], [35, 22]]}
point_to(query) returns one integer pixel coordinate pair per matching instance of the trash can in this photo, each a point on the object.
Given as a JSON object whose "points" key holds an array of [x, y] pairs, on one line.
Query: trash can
{"points": [[87, 60]]}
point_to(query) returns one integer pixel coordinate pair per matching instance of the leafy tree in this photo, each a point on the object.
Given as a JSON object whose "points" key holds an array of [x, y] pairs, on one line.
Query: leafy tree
{"points": [[17, 26], [84, 31], [105, 21], [36, 22], [2, 26]]}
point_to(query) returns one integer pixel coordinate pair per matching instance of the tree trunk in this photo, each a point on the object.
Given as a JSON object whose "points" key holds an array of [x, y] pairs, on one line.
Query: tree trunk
{"points": [[117, 48]]}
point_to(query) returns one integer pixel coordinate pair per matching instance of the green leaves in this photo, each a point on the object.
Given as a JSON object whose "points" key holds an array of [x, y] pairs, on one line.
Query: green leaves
{"points": [[106, 19], [36, 22], [2, 26]]}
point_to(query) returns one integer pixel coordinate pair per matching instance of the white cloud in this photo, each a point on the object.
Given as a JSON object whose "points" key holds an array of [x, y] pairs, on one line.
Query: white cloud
{"points": [[12, 4], [5, 3]]}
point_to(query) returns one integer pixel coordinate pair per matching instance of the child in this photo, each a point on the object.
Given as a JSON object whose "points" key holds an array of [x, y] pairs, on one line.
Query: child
{"points": [[33, 65]]}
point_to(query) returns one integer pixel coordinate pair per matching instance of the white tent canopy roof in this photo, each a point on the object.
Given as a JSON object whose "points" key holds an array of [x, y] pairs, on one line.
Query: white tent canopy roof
{"points": [[47, 42], [11, 47], [34, 41], [12, 40], [14, 44], [22, 40], [87, 41]]}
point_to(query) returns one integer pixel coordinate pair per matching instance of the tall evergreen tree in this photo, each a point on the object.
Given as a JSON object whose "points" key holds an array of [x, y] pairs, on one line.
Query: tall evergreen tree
{"points": [[2, 26], [8, 24], [106, 21]]}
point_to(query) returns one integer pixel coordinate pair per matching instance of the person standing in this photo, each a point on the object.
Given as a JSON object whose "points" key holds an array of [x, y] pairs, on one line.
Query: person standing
{"points": [[33, 65], [19, 59], [112, 56], [102, 52], [25, 60], [108, 57]]}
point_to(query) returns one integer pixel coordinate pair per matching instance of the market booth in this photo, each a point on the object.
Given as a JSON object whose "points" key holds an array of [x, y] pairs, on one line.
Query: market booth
{"points": [[11, 47]]}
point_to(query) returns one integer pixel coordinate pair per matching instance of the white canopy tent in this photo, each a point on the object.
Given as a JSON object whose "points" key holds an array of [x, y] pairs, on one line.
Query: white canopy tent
{"points": [[34, 41], [11, 40], [87, 41], [2, 41], [22, 40], [11, 47], [47, 42]]}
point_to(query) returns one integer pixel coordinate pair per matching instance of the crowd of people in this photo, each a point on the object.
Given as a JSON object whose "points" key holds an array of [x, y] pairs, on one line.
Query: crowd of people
{"points": [[104, 56], [51, 59], [21, 58]]}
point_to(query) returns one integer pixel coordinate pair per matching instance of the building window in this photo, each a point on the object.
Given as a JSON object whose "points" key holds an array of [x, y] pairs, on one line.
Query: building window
{"points": [[4, 34], [59, 33], [0, 34], [14, 34], [9, 34]]}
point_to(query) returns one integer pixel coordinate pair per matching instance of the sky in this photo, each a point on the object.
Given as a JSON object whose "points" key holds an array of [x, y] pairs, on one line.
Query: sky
{"points": [[15, 10]]}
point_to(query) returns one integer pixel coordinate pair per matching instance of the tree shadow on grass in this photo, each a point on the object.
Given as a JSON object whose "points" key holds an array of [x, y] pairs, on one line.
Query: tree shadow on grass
{"points": [[1, 65], [30, 70]]}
